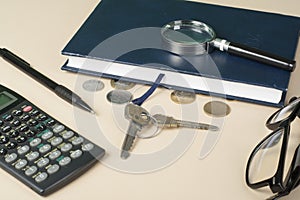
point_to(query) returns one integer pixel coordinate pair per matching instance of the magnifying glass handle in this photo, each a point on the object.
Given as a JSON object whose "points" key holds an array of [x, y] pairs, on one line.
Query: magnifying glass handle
{"points": [[261, 56], [255, 54]]}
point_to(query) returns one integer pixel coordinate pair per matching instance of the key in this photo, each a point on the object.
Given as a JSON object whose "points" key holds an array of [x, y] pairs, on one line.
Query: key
{"points": [[164, 121], [129, 139], [138, 117]]}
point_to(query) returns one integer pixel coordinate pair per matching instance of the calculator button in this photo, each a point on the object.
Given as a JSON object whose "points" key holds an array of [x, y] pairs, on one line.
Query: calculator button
{"points": [[64, 161], [55, 154], [77, 141], [24, 128], [20, 164], [11, 145], [6, 129], [14, 134], [17, 112], [31, 170], [43, 162], [8, 118], [76, 154], [33, 155], [35, 142], [41, 177], [66, 147], [30, 133], [25, 118], [27, 109], [68, 135], [32, 122], [34, 113], [51, 122], [47, 135], [3, 152], [56, 141], [87, 147], [16, 123], [24, 149], [41, 127], [58, 128], [45, 148], [11, 157], [4, 139], [21, 139], [54, 168], [42, 117]]}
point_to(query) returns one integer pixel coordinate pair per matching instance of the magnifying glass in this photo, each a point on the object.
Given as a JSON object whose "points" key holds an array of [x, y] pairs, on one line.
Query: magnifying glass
{"points": [[190, 37]]}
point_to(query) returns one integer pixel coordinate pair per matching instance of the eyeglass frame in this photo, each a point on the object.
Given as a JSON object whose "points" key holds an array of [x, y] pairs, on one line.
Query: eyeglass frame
{"points": [[292, 179]]}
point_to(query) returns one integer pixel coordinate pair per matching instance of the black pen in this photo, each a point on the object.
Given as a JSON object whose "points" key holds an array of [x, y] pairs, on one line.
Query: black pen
{"points": [[59, 90]]}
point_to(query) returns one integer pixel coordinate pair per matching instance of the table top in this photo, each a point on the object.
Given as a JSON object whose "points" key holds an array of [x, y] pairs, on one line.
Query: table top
{"points": [[177, 164]]}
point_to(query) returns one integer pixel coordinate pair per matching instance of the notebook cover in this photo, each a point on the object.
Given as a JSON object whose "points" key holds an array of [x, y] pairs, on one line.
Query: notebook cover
{"points": [[266, 31]]}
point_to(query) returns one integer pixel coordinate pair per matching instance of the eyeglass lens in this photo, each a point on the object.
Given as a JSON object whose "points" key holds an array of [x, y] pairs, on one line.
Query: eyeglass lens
{"points": [[265, 161], [285, 112]]}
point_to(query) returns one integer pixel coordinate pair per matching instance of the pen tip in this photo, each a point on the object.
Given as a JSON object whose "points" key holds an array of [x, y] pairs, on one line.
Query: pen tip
{"points": [[213, 128], [93, 112], [125, 154]]}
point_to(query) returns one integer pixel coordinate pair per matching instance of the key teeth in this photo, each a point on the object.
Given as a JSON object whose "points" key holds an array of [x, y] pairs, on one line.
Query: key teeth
{"points": [[127, 145]]}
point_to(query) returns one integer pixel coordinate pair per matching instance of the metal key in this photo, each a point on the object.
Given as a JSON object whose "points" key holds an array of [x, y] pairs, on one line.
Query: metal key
{"points": [[138, 117], [164, 121]]}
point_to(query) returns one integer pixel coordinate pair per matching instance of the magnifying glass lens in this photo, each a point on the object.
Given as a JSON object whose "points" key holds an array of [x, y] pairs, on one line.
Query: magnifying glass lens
{"points": [[187, 35]]}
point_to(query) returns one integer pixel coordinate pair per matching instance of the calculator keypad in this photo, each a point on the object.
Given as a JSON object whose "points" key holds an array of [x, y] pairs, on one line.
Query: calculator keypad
{"points": [[36, 145]]}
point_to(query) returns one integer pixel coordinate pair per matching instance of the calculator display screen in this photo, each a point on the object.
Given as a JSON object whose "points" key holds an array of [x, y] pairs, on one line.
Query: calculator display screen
{"points": [[6, 99]]}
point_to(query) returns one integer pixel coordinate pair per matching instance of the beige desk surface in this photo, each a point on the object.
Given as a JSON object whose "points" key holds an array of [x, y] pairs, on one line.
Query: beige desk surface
{"points": [[38, 30]]}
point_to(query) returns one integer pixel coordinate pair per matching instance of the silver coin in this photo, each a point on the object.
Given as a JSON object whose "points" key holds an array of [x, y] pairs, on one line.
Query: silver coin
{"points": [[119, 96], [93, 85], [217, 108], [182, 97], [121, 84]]}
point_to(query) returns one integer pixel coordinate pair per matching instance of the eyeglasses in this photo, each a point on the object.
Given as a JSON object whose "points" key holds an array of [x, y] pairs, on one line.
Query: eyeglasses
{"points": [[268, 164]]}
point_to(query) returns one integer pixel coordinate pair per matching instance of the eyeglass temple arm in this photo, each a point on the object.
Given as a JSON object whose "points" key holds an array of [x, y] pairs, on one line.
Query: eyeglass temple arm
{"points": [[292, 178], [290, 187]]}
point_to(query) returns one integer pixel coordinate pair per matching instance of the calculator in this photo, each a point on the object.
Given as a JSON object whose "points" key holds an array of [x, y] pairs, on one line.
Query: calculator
{"points": [[38, 150]]}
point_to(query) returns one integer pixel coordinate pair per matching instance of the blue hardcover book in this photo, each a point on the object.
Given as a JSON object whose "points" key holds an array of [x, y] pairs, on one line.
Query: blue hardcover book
{"points": [[122, 39]]}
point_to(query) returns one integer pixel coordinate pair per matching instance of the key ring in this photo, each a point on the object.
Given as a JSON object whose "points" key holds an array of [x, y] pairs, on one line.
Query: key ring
{"points": [[139, 101], [144, 134]]}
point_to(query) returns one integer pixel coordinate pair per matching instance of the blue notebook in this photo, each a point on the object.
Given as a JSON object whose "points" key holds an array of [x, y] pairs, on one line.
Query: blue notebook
{"points": [[121, 39]]}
